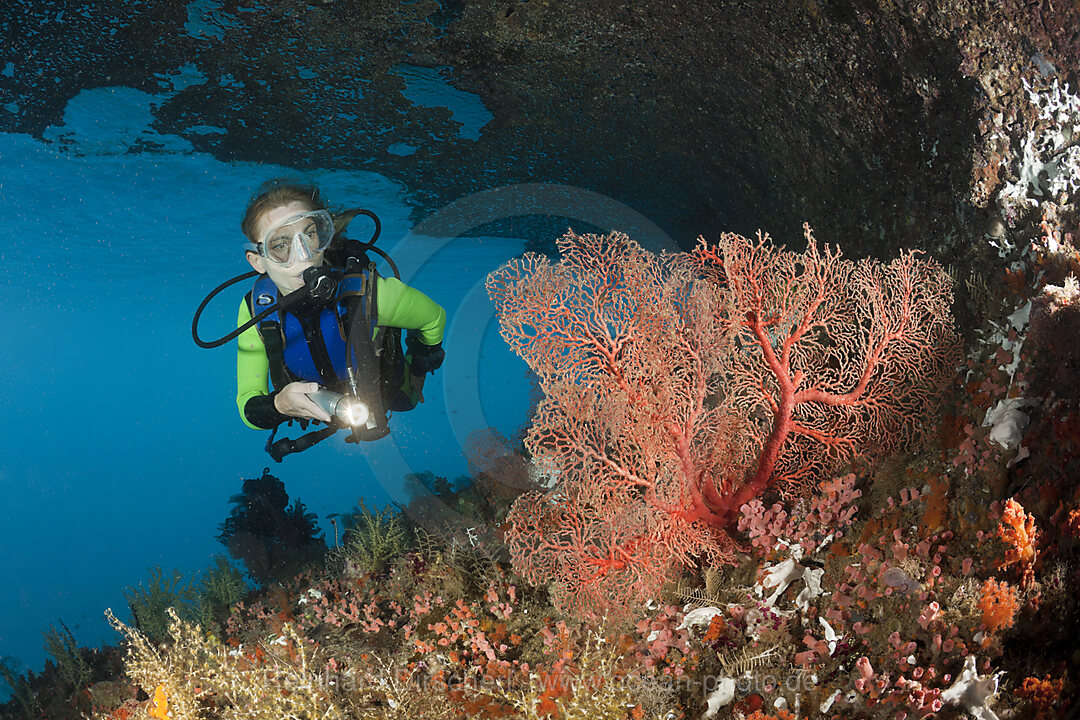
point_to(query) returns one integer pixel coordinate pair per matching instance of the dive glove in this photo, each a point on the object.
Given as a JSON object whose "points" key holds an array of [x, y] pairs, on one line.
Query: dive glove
{"points": [[425, 358]]}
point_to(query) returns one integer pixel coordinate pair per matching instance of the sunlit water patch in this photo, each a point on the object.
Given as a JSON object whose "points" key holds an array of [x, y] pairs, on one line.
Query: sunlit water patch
{"points": [[428, 87], [207, 18]]}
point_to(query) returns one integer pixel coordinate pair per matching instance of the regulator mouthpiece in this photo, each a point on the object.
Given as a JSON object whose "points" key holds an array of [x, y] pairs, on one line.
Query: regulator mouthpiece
{"points": [[321, 284]]}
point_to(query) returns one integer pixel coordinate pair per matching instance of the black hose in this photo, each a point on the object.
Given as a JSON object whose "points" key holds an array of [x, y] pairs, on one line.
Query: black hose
{"points": [[388, 259], [285, 303], [206, 301], [342, 221], [346, 217]]}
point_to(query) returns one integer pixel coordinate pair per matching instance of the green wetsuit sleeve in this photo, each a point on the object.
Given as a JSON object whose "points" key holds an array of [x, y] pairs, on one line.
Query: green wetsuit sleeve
{"points": [[252, 365], [402, 306]]}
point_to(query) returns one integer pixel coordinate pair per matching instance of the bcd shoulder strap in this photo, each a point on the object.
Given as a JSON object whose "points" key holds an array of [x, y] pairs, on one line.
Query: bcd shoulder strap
{"points": [[264, 294]]}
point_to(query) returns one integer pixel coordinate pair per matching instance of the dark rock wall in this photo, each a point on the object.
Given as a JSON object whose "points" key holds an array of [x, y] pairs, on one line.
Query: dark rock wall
{"points": [[714, 116], [883, 124]]}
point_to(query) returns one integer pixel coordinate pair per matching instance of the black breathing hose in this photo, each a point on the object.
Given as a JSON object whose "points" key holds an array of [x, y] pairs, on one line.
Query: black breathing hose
{"points": [[206, 301], [346, 217], [285, 303], [389, 260]]}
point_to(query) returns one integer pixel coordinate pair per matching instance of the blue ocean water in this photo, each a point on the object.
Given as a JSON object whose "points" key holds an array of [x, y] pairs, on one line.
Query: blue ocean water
{"points": [[121, 441]]}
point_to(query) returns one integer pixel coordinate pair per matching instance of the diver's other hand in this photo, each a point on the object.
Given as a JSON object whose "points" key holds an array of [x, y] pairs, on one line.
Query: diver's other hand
{"points": [[416, 382], [425, 358], [293, 401]]}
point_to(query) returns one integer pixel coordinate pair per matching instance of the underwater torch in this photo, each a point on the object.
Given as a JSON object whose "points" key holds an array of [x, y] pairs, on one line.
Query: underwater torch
{"points": [[346, 408]]}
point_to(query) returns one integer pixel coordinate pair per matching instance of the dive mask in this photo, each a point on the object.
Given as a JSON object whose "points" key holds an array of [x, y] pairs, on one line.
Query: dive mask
{"points": [[296, 238]]}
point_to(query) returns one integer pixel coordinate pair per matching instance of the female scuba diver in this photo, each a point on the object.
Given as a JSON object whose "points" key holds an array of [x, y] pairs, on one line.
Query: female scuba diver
{"points": [[337, 339]]}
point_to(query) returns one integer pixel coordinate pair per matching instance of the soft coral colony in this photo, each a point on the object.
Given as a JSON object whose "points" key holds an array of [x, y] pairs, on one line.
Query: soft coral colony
{"points": [[748, 508]]}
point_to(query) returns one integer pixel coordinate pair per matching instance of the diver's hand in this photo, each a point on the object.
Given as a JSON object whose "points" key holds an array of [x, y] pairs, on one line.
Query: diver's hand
{"points": [[294, 402], [417, 384]]}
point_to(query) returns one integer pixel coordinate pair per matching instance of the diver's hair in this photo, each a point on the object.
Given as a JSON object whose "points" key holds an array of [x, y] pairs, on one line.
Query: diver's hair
{"points": [[275, 193]]}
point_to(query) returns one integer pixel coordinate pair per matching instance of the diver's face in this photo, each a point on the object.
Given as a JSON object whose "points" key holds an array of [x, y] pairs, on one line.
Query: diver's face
{"points": [[288, 277]]}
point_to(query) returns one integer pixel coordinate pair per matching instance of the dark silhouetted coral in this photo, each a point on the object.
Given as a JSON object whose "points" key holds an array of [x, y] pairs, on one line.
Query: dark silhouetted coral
{"points": [[267, 534]]}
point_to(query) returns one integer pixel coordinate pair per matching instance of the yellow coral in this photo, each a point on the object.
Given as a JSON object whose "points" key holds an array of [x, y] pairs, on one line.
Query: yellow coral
{"points": [[161, 704]]}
